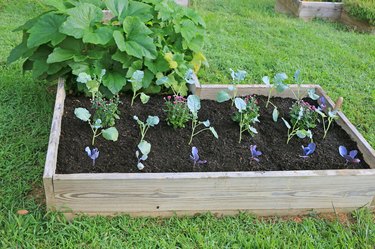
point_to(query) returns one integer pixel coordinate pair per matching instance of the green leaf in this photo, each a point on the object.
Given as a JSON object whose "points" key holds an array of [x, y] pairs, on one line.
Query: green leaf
{"points": [[213, 131], [240, 104], [46, 29], [144, 98], [21, 51], [275, 114], [138, 9], [81, 19], [59, 55], [117, 7], [144, 147], [82, 113], [92, 86], [138, 43], [101, 36], [78, 67], [120, 40], [222, 96], [147, 79], [114, 81], [194, 103], [312, 94], [152, 120], [39, 67], [57, 4], [286, 123], [110, 133]]}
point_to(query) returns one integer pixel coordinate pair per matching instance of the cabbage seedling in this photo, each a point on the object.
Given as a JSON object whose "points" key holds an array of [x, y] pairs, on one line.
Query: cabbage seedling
{"points": [[144, 148], [350, 158], [255, 153], [151, 121], [332, 114], [248, 113], [237, 77], [110, 133], [93, 154], [308, 150], [195, 157], [136, 81], [194, 105]]}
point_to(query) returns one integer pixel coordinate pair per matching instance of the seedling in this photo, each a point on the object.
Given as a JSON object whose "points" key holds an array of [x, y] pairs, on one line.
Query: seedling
{"points": [[247, 114], [255, 153], [332, 114], [171, 83], [350, 158], [279, 86], [136, 81], [237, 77], [151, 121], [93, 154], [195, 157], [177, 111], [144, 149], [110, 133], [303, 118], [194, 105], [308, 150]]}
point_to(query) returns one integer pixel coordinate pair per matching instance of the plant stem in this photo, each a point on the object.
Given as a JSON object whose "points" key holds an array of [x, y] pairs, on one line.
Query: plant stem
{"points": [[241, 125], [329, 125], [193, 126], [269, 97]]}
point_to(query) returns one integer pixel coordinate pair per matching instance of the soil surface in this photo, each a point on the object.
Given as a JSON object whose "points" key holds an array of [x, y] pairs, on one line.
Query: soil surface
{"points": [[170, 151]]}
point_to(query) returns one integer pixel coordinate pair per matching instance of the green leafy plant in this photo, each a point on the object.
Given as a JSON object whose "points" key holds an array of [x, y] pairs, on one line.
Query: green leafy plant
{"points": [[247, 114], [177, 111], [154, 36], [194, 105], [110, 133], [237, 78], [136, 81], [328, 119]]}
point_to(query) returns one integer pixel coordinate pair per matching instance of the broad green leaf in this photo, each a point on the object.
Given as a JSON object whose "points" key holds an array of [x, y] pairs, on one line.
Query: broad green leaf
{"points": [[213, 131], [147, 79], [240, 104], [275, 114], [301, 133], [280, 77], [81, 19], [144, 147], [92, 86], [120, 40], [222, 96], [152, 120], [73, 44], [114, 81], [82, 113], [57, 4], [46, 29], [163, 81], [20, 51], [144, 98], [138, 43], [39, 67], [312, 94], [59, 55], [138, 9], [194, 103], [159, 65], [280, 87], [286, 123], [117, 7], [79, 67], [110, 133], [100, 36]]}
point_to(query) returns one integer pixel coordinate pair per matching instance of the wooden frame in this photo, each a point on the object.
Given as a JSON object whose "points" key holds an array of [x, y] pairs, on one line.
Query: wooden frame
{"points": [[308, 10], [357, 24], [166, 194]]}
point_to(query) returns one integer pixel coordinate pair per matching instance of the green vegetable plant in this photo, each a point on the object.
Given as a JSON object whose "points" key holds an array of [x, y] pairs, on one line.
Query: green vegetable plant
{"points": [[303, 117], [136, 81], [153, 36], [328, 119], [237, 78], [110, 133], [194, 106], [144, 146], [247, 115]]}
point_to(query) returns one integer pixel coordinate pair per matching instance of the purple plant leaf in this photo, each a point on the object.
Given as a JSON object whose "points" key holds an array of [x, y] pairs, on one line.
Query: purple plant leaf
{"points": [[194, 154], [343, 151], [254, 152], [93, 154], [322, 103], [353, 153]]}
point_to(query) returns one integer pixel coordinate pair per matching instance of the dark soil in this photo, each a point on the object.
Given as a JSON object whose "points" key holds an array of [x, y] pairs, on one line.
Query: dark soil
{"points": [[170, 150]]}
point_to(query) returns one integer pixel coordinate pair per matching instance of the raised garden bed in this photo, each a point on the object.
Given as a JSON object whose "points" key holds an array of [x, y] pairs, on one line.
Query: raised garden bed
{"points": [[355, 23], [260, 191], [308, 10]]}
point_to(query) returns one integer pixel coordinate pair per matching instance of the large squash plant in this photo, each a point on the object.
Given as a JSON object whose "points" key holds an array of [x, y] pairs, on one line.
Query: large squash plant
{"points": [[156, 36]]}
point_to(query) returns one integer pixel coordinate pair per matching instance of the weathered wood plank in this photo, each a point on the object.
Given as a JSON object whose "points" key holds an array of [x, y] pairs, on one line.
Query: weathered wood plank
{"points": [[356, 23], [53, 144], [213, 193]]}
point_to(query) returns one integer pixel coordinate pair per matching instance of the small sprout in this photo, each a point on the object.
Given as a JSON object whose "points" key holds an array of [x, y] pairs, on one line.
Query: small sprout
{"points": [[144, 148], [195, 157], [136, 81], [93, 154], [350, 158], [151, 121], [255, 153], [194, 105], [237, 77], [332, 114], [308, 150]]}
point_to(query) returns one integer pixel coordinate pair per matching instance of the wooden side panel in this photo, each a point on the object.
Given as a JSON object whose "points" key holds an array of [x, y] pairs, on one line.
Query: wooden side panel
{"points": [[366, 149], [326, 10], [216, 194], [288, 6], [355, 23], [53, 144]]}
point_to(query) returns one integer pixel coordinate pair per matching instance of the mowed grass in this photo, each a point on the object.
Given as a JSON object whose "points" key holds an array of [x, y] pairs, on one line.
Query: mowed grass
{"points": [[26, 110]]}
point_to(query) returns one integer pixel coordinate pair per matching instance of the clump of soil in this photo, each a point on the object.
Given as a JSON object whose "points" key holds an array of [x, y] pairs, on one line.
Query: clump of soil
{"points": [[170, 150]]}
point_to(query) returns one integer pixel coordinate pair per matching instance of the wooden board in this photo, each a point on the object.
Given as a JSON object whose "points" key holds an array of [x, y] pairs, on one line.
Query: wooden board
{"points": [[166, 194], [356, 23]]}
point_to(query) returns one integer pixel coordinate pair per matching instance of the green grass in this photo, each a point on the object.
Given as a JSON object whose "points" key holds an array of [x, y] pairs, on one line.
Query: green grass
{"points": [[362, 9], [242, 34]]}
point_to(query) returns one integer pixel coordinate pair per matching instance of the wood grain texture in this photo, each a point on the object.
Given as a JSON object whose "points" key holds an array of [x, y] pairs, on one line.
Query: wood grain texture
{"points": [[53, 144], [356, 23], [213, 193]]}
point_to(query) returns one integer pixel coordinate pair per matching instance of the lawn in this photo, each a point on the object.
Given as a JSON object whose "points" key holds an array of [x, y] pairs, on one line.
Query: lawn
{"points": [[242, 34]]}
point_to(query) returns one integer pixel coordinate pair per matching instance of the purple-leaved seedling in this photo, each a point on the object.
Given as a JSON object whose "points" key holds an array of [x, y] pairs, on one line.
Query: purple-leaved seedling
{"points": [[194, 105], [255, 153], [351, 157], [195, 157], [93, 154], [308, 150]]}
